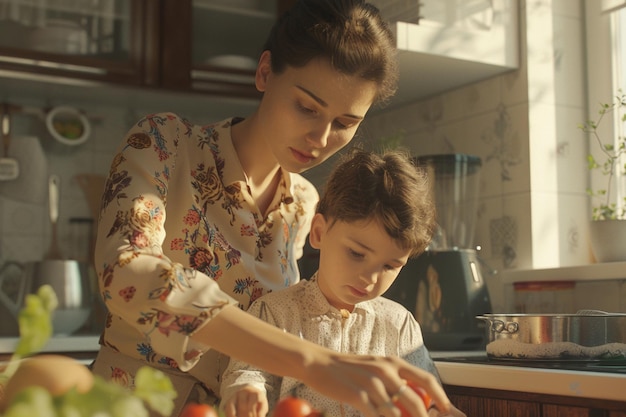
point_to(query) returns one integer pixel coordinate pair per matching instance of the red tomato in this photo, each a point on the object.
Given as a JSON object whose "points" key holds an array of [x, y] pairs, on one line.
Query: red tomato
{"points": [[292, 407], [198, 410], [428, 401]]}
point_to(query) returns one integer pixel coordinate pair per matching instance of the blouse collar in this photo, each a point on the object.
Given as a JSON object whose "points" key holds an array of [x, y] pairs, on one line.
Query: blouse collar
{"points": [[224, 154]]}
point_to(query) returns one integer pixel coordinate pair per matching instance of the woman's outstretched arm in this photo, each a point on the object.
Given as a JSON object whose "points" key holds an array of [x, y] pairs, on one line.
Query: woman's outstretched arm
{"points": [[365, 382]]}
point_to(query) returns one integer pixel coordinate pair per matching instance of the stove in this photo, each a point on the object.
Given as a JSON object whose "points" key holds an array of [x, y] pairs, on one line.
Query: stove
{"points": [[617, 366], [593, 379]]}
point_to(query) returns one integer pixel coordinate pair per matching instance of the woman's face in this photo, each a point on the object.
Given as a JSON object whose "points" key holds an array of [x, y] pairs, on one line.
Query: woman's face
{"points": [[358, 260], [307, 114]]}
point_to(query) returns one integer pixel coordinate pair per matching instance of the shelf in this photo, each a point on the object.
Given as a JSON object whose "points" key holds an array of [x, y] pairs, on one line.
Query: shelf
{"points": [[238, 9], [590, 272]]}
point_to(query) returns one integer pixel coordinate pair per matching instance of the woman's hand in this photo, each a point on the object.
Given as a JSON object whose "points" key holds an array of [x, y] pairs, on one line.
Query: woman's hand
{"points": [[372, 384], [248, 401]]}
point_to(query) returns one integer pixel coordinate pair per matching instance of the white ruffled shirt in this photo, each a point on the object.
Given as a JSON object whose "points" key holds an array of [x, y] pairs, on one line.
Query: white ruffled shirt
{"points": [[376, 327]]}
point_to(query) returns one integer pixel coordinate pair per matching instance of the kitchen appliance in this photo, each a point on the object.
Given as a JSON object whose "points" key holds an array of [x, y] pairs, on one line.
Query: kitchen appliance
{"points": [[585, 335], [444, 287], [54, 251], [71, 283], [70, 279]]}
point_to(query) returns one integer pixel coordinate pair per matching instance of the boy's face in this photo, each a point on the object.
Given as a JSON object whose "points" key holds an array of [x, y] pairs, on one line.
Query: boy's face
{"points": [[358, 261]]}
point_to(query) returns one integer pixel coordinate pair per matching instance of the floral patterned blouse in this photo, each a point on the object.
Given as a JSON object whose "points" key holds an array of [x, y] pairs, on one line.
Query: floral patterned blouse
{"points": [[375, 327], [179, 238]]}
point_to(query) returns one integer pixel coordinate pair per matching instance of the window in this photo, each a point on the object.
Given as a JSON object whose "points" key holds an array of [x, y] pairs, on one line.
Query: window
{"points": [[606, 71]]}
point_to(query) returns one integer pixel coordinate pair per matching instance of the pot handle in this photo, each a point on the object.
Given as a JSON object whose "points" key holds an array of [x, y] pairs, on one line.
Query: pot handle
{"points": [[499, 326], [11, 305]]}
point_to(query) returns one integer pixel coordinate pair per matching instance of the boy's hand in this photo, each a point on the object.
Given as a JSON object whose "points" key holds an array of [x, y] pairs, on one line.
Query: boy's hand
{"points": [[248, 401]]}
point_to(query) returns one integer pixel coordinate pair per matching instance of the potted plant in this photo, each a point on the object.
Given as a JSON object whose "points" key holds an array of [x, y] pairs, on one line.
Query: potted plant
{"points": [[607, 229]]}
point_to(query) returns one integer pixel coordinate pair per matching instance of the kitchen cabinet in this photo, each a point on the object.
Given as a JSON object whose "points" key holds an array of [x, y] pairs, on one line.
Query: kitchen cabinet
{"points": [[502, 389], [455, 43], [210, 46], [155, 43], [214, 44], [101, 40], [480, 402]]}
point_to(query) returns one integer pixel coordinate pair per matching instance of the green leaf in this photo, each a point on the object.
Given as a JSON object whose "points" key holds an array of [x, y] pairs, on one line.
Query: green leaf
{"points": [[156, 389], [30, 402], [35, 322]]}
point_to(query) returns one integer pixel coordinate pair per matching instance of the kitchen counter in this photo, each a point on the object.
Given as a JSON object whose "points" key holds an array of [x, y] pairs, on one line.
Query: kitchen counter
{"points": [[57, 344], [585, 384]]}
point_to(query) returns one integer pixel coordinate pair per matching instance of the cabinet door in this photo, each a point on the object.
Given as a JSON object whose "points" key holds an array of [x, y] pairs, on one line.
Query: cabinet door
{"points": [[213, 46], [552, 410], [105, 40], [494, 407]]}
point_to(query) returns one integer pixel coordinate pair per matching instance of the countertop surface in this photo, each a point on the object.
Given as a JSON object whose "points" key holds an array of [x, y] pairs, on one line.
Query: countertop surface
{"points": [[88, 343], [586, 384], [596, 385]]}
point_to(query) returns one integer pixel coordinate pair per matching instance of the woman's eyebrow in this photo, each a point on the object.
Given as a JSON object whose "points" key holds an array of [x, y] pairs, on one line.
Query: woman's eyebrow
{"points": [[323, 103]]}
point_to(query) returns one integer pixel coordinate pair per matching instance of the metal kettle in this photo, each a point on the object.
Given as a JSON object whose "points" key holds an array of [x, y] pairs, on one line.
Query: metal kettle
{"points": [[71, 283]]}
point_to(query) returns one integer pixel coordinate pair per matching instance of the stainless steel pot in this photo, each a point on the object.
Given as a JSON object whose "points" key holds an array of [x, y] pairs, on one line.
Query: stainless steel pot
{"points": [[586, 335]]}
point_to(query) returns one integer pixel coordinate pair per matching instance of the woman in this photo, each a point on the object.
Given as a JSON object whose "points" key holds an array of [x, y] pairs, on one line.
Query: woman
{"points": [[198, 221]]}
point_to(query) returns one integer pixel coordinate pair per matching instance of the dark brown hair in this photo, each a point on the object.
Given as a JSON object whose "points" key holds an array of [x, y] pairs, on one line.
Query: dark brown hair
{"points": [[351, 34], [387, 187]]}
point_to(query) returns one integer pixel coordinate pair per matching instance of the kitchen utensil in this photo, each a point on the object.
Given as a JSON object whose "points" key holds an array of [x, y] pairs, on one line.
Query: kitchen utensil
{"points": [[68, 125], [70, 281], [31, 186], [556, 336], [93, 187], [54, 252], [9, 168]]}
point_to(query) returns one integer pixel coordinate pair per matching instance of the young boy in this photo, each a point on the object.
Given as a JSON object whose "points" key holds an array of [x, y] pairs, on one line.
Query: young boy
{"points": [[376, 212]]}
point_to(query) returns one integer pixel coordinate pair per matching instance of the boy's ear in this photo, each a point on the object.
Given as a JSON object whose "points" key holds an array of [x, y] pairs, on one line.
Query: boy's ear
{"points": [[318, 227], [263, 70]]}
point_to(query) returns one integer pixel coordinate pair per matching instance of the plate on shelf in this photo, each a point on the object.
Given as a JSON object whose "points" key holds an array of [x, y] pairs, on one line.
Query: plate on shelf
{"points": [[236, 4], [233, 61]]}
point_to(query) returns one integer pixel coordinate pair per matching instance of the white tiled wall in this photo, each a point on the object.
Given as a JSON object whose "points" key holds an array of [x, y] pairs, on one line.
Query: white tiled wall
{"points": [[533, 208], [25, 228]]}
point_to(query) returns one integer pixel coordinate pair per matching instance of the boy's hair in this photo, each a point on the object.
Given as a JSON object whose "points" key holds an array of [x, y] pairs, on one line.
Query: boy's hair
{"points": [[351, 34], [386, 187]]}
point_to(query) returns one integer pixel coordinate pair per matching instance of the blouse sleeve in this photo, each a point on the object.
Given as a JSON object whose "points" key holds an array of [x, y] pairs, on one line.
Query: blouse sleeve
{"points": [[163, 300], [412, 346]]}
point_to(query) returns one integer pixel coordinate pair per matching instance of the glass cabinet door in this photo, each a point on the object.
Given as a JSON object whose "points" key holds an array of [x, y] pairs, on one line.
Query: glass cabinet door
{"points": [[227, 40], [98, 39]]}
